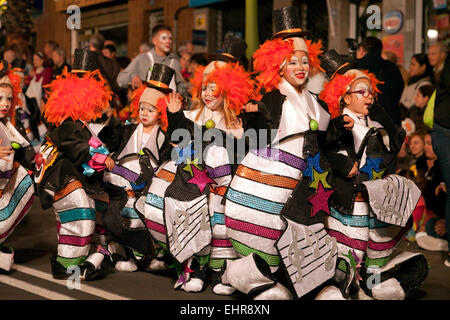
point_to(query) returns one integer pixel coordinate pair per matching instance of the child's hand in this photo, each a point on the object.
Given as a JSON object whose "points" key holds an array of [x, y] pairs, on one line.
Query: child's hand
{"points": [[439, 227], [349, 122], [251, 107], [136, 82], [5, 152], [173, 102], [354, 171], [439, 188], [109, 163]]}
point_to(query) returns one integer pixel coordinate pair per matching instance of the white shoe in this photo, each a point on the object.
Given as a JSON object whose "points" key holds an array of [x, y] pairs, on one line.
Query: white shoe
{"points": [[223, 290], [389, 290], [6, 259], [156, 265], [330, 293], [193, 285], [430, 243], [126, 266]]}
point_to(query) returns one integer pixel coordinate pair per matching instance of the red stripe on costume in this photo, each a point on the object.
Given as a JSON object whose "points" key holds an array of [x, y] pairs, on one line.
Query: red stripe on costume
{"points": [[75, 241], [156, 226], [252, 229], [99, 229], [390, 244], [221, 243], [352, 243]]}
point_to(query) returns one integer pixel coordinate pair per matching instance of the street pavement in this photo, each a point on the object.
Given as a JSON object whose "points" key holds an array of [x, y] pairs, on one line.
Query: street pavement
{"points": [[34, 241]]}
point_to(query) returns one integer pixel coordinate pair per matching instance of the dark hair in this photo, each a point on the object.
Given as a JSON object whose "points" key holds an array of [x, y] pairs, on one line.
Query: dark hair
{"points": [[123, 62], [39, 54], [426, 90], [372, 45], [110, 47], [422, 59], [200, 58], [53, 44], [158, 28], [97, 41]]}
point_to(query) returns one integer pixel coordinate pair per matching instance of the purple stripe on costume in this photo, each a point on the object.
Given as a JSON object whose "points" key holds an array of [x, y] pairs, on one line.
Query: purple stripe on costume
{"points": [[282, 156], [125, 173], [6, 174], [219, 171]]}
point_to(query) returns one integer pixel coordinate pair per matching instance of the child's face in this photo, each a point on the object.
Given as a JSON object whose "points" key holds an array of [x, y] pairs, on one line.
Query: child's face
{"points": [[420, 101], [210, 98], [148, 114], [360, 96], [416, 146], [296, 70], [5, 101]]}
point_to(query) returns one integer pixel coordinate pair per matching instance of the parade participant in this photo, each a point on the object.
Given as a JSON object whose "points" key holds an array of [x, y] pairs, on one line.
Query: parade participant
{"points": [[138, 150], [16, 156], [370, 207], [262, 223], [202, 171], [70, 164]]}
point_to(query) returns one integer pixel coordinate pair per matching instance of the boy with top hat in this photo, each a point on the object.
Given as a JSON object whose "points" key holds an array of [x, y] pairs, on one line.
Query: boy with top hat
{"points": [[70, 164], [371, 207], [137, 152]]}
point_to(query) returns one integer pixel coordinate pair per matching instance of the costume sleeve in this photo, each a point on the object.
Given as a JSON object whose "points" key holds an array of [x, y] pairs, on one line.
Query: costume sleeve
{"points": [[73, 141], [177, 120], [340, 164], [396, 135], [25, 156], [256, 120], [112, 134]]}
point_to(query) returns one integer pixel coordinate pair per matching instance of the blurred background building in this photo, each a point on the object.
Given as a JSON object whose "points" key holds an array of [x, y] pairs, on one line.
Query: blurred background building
{"points": [[405, 26]]}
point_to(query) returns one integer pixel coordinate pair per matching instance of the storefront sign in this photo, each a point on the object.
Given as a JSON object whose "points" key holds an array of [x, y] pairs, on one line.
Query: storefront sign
{"points": [[61, 5], [395, 43], [393, 21]]}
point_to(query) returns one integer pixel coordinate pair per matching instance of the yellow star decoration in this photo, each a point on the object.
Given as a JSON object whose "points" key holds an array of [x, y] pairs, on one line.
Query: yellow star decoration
{"points": [[319, 177], [377, 175], [188, 166]]}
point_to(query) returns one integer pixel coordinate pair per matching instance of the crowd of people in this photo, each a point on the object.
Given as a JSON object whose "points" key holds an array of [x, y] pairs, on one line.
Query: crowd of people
{"points": [[348, 165]]}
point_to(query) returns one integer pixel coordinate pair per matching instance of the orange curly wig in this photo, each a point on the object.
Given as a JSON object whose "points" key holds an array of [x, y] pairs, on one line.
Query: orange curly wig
{"points": [[80, 98], [271, 54], [338, 86], [161, 105]]}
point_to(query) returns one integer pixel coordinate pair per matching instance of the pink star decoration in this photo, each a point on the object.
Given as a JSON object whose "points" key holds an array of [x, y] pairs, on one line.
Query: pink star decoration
{"points": [[201, 178], [319, 200]]}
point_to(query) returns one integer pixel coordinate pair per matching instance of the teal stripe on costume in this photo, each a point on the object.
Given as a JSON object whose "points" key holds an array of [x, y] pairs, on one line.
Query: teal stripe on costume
{"points": [[218, 218], [20, 191], [356, 221], [129, 213], [77, 214], [251, 201], [155, 201]]}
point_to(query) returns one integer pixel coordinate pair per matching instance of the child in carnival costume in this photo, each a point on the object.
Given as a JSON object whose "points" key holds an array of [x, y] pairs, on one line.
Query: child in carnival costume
{"points": [[70, 164], [138, 150], [193, 209], [16, 164], [371, 207], [280, 192]]}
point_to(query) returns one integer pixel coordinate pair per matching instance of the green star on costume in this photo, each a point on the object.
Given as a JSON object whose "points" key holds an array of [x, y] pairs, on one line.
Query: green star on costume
{"points": [[322, 177], [190, 163], [377, 175]]}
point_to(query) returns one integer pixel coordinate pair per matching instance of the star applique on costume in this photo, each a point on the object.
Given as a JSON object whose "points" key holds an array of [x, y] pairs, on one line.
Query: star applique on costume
{"points": [[371, 164], [319, 200], [312, 163], [319, 177], [189, 164], [377, 175], [184, 153], [201, 178]]}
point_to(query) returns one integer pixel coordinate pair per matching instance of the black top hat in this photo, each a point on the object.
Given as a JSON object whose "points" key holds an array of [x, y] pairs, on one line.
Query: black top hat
{"points": [[333, 62], [85, 60], [233, 49], [160, 77], [286, 23], [4, 66]]}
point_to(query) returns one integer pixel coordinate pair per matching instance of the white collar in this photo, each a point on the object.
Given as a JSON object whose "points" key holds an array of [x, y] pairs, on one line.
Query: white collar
{"points": [[134, 144], [218, 118]]}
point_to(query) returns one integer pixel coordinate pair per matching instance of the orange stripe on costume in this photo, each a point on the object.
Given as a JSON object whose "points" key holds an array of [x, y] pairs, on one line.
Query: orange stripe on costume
{"points": [[71, 186], [166, 175], [266, 178]]}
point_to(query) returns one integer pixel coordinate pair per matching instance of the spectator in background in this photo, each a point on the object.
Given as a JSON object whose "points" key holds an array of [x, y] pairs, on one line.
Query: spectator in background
{"points": [[60, 62], [420, 102], [185, 59], [416, 145], [441, 138], [109, 51], [197, 59], [369, 58], [421, 74], [437, 55], [186, 46], [9, 55], [40, 76], [137, 70], [49, 47], [123, 62], [391, 56], [144, 47]]}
